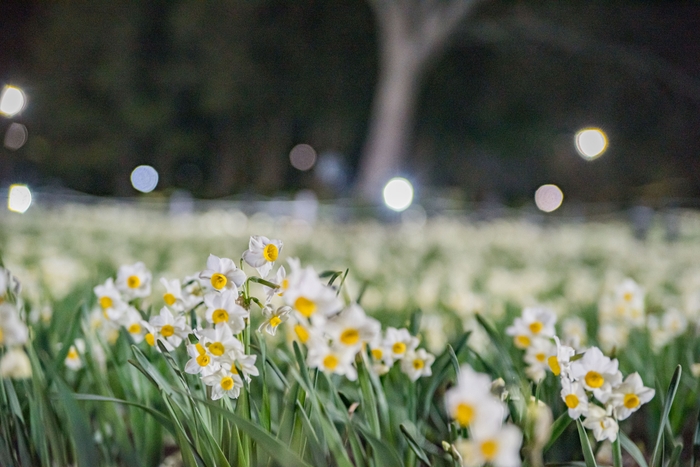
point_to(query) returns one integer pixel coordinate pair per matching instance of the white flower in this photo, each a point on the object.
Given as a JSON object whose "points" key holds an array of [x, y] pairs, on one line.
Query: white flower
{"points": [[574, 397], [597, 373], [131, 320], [603, 425], [246, 363], [471, 403], [537, 357], [262, 253], [13, 331], [331, 359], [279, 279], [200, 360], [220, 341], [223, 274], [173, 294], [134, 281], [399, 342], [73, 360], [223, 383], [169, 327], [559, 363], [417, 363], [613, 335], [273, 318], [630, 395], [629, 303], [499, 447], [574, 333], [311, 297], [352, 327], [15, 364], [224, 308], [192, 291], [110, 300], [534, 322]]}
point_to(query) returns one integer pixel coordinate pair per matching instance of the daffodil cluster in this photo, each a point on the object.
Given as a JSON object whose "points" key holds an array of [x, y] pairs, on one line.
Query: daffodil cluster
{"points": [[472, 406], [533, 332], [618, 312]]}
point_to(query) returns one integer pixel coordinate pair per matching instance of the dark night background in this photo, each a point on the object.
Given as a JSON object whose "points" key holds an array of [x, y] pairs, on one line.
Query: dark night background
{"points": [[214, 96]]}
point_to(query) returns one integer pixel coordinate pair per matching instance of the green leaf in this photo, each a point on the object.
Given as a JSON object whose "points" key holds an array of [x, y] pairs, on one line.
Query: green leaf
{"points": [[632, 449], [159, 416], [85, 450], [383, 452], [670, 395], [559, 426], [617, 453], [675, 455], [415, 447], [585, 445], [695, 452]]}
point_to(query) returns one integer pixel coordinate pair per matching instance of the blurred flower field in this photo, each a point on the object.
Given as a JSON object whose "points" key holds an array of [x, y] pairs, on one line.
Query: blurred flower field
{"points": [[545, 323]]}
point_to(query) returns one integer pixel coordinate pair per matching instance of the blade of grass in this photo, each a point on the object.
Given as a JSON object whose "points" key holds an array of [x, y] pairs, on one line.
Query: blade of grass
{"points": [[617, 452], [558, 427], [588, 456], [670, 395], [632, 450], [415, 447]]}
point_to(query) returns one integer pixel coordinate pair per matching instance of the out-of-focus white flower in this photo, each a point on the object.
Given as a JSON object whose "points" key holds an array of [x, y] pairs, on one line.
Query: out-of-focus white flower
{"points": [[223, 383], [534, 322], [613, 335], [399, 342], [131, 320], [470, 402], [597, 373], [695, 370], [223, 274], [13, 331], [310, 297], [110, 300], [537, 357], [134, 281], [279, 279], [539, 422], [15, 364], [601, 423], [629, 303], [192, 291], [332, 359], [499, 447], [273, 318], [417, 363], [173, 329], [433, 332], [559, 363], [352, 327], [574, 397], [574, 333], [224, 308], [630, 395], [173, 294], [73, 360], [262, 253]]}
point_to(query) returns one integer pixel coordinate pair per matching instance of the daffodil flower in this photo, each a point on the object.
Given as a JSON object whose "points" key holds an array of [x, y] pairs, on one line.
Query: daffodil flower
{"points": [[399, 342], [201, 361], [332, 359], [597, 373], [224, 308], [535, 322], [262, 253], [602, 424], [110, 300], [223, 274], [172, 329], [134, 281], [575, 398], [224, 383], [629, 396], [352, 327], [273, 318], [417, 363], [499, 447]]}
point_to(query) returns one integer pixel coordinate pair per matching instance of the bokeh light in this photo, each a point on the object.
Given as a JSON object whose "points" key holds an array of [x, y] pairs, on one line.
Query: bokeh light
{"points": [[19, 198], [302, 157], [591, 143], [398, 194], [12, 101], [144, 178], [15, 136], [548, 198]]}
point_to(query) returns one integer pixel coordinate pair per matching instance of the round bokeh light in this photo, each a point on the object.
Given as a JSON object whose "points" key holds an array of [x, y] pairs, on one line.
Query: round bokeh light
{"points": [[12, 101], [398, 194], [548, 198], [591, 143], [19, 198], [144, 178], [302, 157]]}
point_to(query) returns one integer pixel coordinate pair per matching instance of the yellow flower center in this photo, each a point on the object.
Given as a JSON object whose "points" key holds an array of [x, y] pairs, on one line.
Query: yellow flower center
{"points": [[169, 299], [377, 354], [301, 333], [285, 283], [2, 336], [200, 348], [270, 252], [536, 327], [554, 365], [330, 362], [627, 296], [105, 302], [234, 370], [135, 328], [464, 414], [150, 340], [418, 364], [167, 330], [72, 354], [305, 306], [398, 348], [540, 357], [218, 281], [631, 401], [203, 360], [594, 379], [219, 316], [217, 348], [489, 449], [275, 321], [522, 342], [133, 282], [350, 337], [571, 401], [227, 383]]}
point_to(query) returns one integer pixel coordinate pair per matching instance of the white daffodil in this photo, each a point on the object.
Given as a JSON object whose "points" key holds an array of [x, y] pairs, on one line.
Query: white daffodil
{"points": [[399, 342], [560, 362], [537, 357], [220, 341], [173, 294], [417, 363], [223, 274], [329, 359], [629, 303], [131, 320], [311, 297], [597, 373], [224, 308], [280, 279], [630, 395], [13, 331], [273, 318], [262, 253], [574, 333], [574, 397], [499, 447], [8, 283], [534, 322], [224, 383], [73, 360], [15, 364], [381, 355], [613, 335], [201, 361], [471, 402], [192, 291], [601, 423], [352, 327], [172, 329], [239, 360], [134, 281], [110, 300]]}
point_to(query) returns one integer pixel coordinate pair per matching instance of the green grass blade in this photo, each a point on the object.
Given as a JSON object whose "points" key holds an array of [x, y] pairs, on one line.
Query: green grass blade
{"points": [[670, 395], [384, 453], [695, 452], [585, 445], [413, 444], [632, 450], [617, 452], [85, 450], [159, 416], [558, 427]]}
